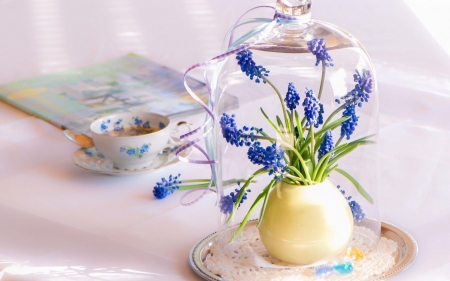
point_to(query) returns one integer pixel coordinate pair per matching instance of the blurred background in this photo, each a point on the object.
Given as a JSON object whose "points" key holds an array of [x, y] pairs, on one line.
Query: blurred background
{"points": [[408, 41]]}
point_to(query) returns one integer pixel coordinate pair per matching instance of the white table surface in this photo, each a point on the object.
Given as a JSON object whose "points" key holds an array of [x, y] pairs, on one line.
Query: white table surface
{"points": [[59, 222]]}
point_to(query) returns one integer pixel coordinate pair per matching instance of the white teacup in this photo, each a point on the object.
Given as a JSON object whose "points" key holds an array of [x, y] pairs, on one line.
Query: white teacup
{"points": [[128, 139]]}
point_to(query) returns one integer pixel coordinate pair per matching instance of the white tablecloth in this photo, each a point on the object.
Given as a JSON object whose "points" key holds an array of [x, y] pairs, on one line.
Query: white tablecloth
{"points": [[59, 222]]}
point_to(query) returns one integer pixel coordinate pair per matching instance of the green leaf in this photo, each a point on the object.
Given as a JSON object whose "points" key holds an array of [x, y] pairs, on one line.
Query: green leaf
{"points": [[330, 126], [342, 151], [320, 168], [270, 122], [328, 171], [297, 172], [360, 189], [249, 213], [280, 124], [333, 114], [242, 191], [263, 208], [299, 127]]}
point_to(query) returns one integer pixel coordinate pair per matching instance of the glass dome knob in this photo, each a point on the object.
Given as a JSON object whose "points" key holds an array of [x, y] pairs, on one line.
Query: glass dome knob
{"points": [[294, 7]]}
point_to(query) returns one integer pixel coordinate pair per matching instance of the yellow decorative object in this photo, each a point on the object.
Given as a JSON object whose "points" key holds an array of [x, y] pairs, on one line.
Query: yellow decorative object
{"points": [[354, 253], [306, 224]]}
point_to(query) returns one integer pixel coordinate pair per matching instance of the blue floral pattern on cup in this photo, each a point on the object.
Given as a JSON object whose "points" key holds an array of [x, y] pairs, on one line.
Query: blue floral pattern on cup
{"points": [[104, 126], [118, 125], [137, 152], [137, 122]]}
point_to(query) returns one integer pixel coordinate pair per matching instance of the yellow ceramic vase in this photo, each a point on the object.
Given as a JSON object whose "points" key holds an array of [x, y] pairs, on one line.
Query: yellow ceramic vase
{"points": [[306, 224]]}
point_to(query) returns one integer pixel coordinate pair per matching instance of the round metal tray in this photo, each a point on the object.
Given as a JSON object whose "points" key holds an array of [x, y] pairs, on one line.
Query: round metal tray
{"points": [[406, 253]]}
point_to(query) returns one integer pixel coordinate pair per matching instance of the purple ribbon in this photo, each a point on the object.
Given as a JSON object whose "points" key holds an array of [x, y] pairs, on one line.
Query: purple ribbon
{"points": [[210, 110]]}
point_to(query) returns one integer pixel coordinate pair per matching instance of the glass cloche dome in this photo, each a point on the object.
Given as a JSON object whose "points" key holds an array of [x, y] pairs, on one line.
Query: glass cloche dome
{"points": [[296, 107]]}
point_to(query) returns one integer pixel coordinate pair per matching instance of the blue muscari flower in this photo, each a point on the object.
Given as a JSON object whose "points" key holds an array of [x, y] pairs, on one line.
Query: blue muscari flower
{"points": [[364, 81], [270, 157], [227, 202], [166, 187], [355, 97], [357, 211], [360, 93], [249, 67], [327, 144], [313, 109], [317, 47], [348, 126], [235, 136], [292, 97], [131, 151], [230, 131]]}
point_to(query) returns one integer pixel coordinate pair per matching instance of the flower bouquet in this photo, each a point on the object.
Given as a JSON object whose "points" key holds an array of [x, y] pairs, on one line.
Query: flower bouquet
{"points": [[299, 159]]}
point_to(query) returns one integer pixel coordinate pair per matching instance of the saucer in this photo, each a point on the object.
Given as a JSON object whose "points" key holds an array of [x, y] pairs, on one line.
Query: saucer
{"points": [[92, 160], [404, 256]]}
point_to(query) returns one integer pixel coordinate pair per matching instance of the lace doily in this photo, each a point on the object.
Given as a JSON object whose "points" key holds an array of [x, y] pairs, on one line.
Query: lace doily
{"points": [[247, 259]]}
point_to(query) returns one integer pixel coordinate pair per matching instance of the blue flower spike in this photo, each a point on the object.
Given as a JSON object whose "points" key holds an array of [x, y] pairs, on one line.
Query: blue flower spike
{"points": [[235, 136], [313, 109], [318, 48], [349, 126], [292, 97], [227, 202], [249, 67], [324, 271], [362, 90], [327, 145], [166, 187], [230, 131], [270, 157], [357, 212]]}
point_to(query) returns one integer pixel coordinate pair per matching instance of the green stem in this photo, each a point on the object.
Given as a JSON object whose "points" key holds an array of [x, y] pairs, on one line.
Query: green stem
{"points": [[242, 191], [322, 169], [293, 168], [250, 211], [296, 179], [299, 158], [311, 133], [205, 183], [339, 140], [322, 80], [271, 123], [263, 208], [286, 120], [333, 114]]}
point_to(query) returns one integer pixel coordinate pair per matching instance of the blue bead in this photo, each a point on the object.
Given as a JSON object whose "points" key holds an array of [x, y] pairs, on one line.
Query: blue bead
{"points": [[324, 271], [343, 267]]}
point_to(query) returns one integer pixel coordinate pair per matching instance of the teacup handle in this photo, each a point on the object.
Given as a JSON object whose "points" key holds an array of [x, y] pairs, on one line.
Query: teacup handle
{"points": [[179, 124], [173, 143]]}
